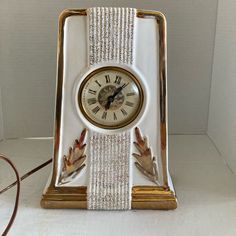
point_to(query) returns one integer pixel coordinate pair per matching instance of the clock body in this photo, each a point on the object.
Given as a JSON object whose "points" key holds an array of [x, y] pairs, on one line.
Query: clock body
{"points": [[111, 112]]}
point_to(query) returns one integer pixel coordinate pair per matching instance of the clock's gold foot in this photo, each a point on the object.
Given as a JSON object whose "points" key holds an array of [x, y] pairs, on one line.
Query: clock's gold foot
{"points": [[65, 197], [143, 197], [153, 198]]}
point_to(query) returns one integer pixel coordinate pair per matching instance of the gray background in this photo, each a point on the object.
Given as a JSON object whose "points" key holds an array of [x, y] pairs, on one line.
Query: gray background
{"points": [[28, 41], [222, 109]]}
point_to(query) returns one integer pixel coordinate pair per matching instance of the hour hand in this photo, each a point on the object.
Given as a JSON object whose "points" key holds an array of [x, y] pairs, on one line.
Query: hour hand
{"points": [[110, 99], [108, 104]]}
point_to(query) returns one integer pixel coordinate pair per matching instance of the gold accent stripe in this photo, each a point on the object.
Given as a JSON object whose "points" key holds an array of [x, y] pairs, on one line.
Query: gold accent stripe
{"points": [[161, 21]]}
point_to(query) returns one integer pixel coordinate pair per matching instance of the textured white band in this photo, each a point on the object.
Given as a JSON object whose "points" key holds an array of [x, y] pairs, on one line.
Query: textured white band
{"points": [[111, 33], [109, 187]]}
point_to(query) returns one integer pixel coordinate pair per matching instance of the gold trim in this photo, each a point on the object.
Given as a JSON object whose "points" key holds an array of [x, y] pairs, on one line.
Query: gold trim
{"points": [[119, 69], [143, 197], [161, 21]]}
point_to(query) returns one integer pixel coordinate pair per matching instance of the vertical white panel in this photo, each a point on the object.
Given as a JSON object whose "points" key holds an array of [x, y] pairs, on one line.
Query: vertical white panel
{"points": [[222, 112]]}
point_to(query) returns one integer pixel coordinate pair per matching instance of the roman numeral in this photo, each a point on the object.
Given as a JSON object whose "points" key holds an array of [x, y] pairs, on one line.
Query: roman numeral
{"points": [[92, 91], [96, 109], [92, 101], [124, 85], [98, 83], [124, 112], [114, 116], [104, 115], [117, 80], [130, 104], [130, 94], [107, 79]]}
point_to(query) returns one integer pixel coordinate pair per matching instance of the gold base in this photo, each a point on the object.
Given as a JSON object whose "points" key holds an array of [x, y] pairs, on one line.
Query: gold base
{"points": [[153, 198], [143, 197]]}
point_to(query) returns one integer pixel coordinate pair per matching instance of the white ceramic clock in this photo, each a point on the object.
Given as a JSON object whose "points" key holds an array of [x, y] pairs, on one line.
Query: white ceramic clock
{"points": [[110, 143]]}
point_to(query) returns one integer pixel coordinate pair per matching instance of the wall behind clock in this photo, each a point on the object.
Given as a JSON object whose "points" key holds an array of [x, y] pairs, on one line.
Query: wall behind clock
{"points": [[222, 113], [28, 36]]}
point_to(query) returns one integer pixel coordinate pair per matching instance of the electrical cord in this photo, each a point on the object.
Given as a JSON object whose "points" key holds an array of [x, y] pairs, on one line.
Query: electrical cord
{"points": [[17, 182]]}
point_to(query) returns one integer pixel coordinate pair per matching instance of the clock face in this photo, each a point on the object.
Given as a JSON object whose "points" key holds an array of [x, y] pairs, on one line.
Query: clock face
{"points": [[110, 97]]}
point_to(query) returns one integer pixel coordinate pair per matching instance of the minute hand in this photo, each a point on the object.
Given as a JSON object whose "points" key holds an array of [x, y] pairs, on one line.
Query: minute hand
{"points": [[118, 90]]}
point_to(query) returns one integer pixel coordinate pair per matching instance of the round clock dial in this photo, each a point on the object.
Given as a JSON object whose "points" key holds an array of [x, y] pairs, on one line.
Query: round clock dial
{"points": [[110, 97]]}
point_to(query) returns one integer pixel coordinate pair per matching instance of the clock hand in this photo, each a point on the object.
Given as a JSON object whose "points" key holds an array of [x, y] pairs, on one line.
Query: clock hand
{"points": [[110, 99], [108, 104], [118, 90]]}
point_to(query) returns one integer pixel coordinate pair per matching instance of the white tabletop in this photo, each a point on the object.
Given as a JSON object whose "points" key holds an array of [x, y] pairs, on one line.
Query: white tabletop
{"points": [[206, 190]]}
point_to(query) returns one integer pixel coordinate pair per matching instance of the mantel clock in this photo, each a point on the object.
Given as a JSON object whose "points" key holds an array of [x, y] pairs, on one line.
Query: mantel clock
{"points": [[110, 143]]}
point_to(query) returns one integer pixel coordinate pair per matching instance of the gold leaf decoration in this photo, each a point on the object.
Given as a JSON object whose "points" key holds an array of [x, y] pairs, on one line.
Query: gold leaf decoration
{"points": [[145, 163], [73, 163]]}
